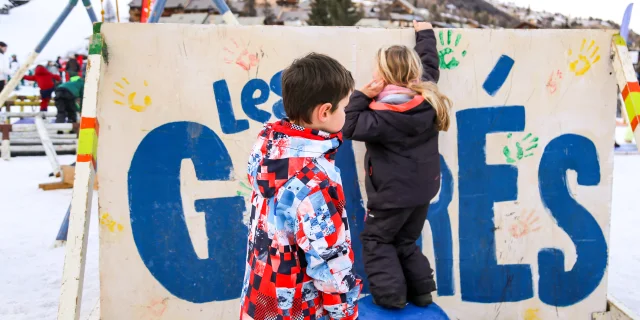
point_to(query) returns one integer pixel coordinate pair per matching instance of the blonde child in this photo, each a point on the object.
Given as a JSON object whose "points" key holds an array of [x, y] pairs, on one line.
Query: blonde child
{"points": [[398, 115]]}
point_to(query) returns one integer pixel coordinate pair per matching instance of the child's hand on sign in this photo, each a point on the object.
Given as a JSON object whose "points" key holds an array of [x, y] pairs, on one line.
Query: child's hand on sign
{"points": [[419, 26], [373, 88]]}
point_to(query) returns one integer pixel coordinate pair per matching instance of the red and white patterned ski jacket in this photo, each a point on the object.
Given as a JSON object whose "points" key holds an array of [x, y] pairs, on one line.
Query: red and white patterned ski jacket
{"points": [[299, 259]]}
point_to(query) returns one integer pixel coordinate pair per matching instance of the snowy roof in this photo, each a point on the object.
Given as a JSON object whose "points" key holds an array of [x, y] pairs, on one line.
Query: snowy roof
{"points": [[294, 15], [410, 7], [374, 23], [244, 21], [405, 17], [185, 18], [168, 4], [200, 5]]}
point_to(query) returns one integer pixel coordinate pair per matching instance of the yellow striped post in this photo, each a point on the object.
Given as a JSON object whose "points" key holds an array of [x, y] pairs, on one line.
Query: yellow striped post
{"points": [[628, 84]]}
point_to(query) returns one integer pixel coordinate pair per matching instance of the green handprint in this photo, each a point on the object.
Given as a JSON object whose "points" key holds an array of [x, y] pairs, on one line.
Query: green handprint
{"points": [[530, 144], [247, 190], [453, 62]]}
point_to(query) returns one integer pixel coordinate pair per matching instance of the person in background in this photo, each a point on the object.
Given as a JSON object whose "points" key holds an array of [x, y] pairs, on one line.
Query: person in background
{"points": [[72, 68], [14, 65], [51, 67], [80, 60], [4, 65], [58, 64], [66, 96], [84, 68], [46, 82]]}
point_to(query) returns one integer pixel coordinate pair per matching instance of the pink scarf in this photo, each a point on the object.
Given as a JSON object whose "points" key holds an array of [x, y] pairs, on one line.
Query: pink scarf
{"points": [[393, 89]]}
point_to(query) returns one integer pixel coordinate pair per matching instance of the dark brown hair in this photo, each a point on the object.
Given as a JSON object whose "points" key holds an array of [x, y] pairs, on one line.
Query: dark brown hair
{"points": [[313, 80]]}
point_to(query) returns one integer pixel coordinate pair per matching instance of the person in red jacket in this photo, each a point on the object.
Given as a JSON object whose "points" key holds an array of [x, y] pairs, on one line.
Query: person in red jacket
{"points": [[45, 81]]}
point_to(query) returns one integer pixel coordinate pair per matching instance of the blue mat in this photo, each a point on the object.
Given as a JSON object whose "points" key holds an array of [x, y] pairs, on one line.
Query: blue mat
{"points": [[626, 148], [369, 311], [30, 120]]}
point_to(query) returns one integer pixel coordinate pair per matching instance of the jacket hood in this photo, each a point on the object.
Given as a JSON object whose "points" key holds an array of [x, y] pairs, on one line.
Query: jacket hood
{"points": [[41, 71], [413, 117], [282, 150]]}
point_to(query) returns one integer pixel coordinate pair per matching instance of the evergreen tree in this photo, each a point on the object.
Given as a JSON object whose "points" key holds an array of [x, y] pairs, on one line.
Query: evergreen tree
{"points": [[435, 13], [249, 9], [319, 15], [333, 13]]}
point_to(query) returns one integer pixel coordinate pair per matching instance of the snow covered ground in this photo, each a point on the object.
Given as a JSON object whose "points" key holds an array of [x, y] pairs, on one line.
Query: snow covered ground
{"points": [[31, 269]]}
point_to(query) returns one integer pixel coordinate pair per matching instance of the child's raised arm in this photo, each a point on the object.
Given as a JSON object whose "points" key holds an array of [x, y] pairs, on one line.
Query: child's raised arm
{"points": [[426, 49]]}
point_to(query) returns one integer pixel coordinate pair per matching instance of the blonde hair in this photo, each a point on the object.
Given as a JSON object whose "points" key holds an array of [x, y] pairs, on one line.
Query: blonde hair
{"points": [[401, 66]]}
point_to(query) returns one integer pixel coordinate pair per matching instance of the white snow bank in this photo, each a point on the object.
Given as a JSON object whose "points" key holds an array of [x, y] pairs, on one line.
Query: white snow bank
{"points": [[31, 270]]}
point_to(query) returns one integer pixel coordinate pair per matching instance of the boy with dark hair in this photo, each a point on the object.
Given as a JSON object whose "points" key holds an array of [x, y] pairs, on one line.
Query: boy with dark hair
{"points": [[299, 257]]}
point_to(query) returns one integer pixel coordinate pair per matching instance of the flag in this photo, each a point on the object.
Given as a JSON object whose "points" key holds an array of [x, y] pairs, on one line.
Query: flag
{"points": [[626, 19]]}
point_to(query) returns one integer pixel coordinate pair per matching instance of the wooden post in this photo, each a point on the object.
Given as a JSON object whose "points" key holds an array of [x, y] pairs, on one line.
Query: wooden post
{"points": [[76, 249], [5, 149], [628, 84], [47, 145]]}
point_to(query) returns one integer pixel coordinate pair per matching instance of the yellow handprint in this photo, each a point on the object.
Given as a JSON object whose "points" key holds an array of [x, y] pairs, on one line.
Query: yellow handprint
{"points": [[131, 97], [585, 60], [111, 224]]}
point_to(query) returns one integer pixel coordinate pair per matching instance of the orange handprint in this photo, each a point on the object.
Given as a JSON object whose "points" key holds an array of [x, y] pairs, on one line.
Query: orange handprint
{"points": [[240, 55], [552, 83], [522, 227]]}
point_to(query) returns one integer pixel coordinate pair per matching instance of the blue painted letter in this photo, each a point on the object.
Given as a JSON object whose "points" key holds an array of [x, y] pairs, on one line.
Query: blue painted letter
{"points": [[228, 121], [441, 230], [157, 216], [276, 87], [480, 186], [558, 287], [346, 162], [250, 104]]}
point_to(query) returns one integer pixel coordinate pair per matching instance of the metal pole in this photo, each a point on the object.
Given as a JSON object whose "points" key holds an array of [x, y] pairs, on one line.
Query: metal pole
{"points": [[227, 15], [92, 14], [64, 228], [15, 79], [156, 11]]}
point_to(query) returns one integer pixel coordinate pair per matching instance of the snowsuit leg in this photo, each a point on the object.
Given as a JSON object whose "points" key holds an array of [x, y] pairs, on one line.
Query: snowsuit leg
{"points": [[65, 103], [45, 97], [415, 265], [394, 264]]}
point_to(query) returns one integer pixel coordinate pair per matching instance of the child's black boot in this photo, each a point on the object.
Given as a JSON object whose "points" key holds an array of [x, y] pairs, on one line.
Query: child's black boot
{"points": [[422, 300]]}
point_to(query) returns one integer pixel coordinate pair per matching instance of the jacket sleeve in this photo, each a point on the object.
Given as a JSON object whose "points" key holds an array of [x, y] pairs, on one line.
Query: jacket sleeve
{"points": [[362, 123], [322, 234], [4, 67], [57, 77], [29, 78], [428, 52]]}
